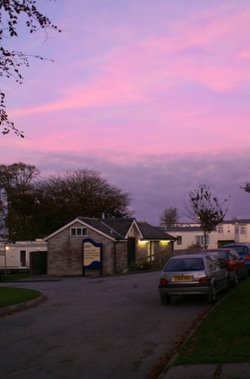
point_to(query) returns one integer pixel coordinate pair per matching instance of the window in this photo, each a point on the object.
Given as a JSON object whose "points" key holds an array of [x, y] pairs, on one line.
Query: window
{"points": [[199, 240], [185, 264], [220, 229], [213, 263], [243, 230], [78, 231], [236, 230], [179, 240], [22, 258]]}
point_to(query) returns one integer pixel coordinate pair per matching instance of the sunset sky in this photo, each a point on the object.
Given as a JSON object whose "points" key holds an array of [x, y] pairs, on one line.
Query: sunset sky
{"points": [[153, 95]]}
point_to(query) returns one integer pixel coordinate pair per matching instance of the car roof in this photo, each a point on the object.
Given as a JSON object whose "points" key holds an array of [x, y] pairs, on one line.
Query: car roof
{"points": [[195, 255], [219, 249], [237, 244]]}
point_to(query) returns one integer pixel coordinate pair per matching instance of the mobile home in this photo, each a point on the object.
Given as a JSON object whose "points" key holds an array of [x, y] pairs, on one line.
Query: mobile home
{"points": [[16, 256]]}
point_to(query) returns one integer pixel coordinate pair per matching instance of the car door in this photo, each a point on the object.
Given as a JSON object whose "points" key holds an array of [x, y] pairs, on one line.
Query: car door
{"points": [[240, 265], [219, 275]]}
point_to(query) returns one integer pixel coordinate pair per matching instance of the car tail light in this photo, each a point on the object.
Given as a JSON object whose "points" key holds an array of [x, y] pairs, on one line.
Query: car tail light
{"points": [[231, 265], [163, 282], [247, 257], [204, 280]]}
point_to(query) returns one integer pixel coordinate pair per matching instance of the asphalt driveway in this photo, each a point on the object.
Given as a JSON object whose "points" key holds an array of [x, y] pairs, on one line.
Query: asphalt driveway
{"points": [[104, 328]]}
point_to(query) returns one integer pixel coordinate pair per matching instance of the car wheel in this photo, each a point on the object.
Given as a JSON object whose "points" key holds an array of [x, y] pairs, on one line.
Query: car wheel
{"points": [[165, 299], [211, 297]]}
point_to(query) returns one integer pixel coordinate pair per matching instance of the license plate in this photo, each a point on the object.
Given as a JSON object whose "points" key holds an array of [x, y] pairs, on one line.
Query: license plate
{"points": [[181, 278]]}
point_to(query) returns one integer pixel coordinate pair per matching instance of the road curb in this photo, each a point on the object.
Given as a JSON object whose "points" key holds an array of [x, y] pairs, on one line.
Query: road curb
{"points": [[185, 337], [22, 306]]}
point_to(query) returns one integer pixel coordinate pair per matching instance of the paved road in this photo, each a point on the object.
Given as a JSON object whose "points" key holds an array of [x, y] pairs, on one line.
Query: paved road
{"points": [[104, 328]]}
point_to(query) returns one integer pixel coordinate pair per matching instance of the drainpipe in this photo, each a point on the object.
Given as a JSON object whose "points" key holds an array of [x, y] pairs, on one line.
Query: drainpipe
{"points": [[114, 261]]}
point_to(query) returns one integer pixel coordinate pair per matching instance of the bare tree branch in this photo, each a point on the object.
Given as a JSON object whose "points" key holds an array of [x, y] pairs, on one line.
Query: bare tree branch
{"points": [[206, 210], [11, 61]]}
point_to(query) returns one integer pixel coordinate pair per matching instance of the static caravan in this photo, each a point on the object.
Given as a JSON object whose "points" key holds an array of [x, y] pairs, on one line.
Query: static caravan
{"points": [[16, 256]]}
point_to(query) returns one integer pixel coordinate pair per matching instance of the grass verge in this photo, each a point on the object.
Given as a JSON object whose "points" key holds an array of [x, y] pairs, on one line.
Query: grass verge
{"points": [[224, 335], [14, 276], [11, 296]]}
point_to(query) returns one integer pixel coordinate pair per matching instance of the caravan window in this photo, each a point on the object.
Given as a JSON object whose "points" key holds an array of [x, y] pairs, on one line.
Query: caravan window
{"points": [[23, 258]]}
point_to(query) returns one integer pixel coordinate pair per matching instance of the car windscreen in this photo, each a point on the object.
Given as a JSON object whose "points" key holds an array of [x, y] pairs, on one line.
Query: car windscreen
{"points": [[242, 250], [223, 255], [185, 264], [218, 254]]}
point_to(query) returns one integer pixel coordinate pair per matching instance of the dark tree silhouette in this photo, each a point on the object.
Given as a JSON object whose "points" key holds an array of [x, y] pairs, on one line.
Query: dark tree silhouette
{"points": [[83, 192], [35, 207], [16, 200], [170, 217], [246, 187], [206, 210]]}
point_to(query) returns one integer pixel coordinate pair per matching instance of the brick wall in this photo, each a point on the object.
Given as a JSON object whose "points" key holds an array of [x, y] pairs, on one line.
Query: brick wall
{"points": [[65, 253], [121, 256]]}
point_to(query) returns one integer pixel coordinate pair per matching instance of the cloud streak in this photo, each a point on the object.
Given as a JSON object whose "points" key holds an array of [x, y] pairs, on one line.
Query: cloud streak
{"points": [[192, 55]]}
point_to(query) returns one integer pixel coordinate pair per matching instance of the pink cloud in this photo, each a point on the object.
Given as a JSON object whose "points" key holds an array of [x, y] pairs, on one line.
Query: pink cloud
{"points": [[245, 54], [161, 63], [107, 91], [159, 77]]}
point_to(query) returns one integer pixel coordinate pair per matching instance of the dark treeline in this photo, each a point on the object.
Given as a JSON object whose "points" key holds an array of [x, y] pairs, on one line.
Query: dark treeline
{"points": [[33, 207]]}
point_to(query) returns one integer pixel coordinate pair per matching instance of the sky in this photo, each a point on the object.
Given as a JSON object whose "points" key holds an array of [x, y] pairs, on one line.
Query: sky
{"points": [[152, 95]]}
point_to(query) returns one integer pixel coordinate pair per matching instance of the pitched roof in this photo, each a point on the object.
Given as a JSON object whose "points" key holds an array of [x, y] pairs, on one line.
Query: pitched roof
{"points": [[114, 227], [118, 228], [151, 232], [184, 229], [239, 221]]}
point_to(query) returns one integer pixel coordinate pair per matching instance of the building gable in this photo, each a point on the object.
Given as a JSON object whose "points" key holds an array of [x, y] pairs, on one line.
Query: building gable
{"points": [[118, 229], [86, 225]]}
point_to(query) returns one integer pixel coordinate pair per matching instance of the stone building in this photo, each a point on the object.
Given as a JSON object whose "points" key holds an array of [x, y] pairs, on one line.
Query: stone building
{"points": [[88, 246]]}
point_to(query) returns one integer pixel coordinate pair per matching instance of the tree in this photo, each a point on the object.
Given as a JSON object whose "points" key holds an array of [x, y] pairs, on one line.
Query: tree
{"points": [[47, 204], [60, 199], [12, 13], [246, 187], [206, 210], [16, 202], [170, 217]]}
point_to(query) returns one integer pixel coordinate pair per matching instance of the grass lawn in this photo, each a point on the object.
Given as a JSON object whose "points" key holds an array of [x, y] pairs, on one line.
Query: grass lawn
{"points": [[11, 296], [224, 335]]}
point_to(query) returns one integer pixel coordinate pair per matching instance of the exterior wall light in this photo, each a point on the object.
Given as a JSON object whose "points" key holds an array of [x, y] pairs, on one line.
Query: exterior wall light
{"points": [[164, 243], [6, 248], [142, 242]]}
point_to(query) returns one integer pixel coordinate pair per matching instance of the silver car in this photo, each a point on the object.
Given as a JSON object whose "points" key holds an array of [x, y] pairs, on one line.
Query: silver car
{"points": [[192, 274]]}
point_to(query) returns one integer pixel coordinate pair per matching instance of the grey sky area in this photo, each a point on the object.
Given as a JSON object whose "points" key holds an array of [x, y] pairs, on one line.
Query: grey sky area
{"points": [[158, 182]]}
